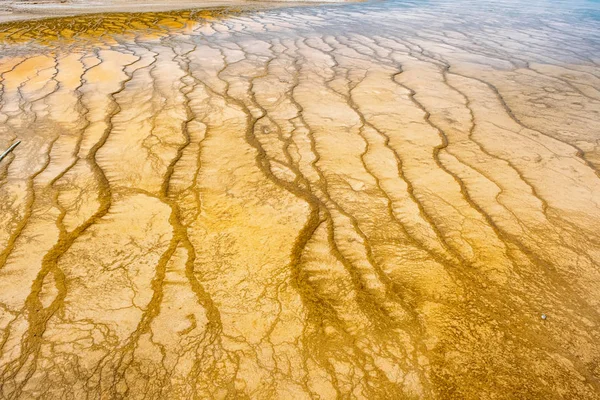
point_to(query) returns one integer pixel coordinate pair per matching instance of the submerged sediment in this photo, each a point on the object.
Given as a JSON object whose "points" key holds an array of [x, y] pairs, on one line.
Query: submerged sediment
{"points": [[367, 201]]}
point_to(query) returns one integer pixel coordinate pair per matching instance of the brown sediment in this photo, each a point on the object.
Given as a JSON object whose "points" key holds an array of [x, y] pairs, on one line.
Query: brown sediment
{"points": [[374, 201], [25, 10]]}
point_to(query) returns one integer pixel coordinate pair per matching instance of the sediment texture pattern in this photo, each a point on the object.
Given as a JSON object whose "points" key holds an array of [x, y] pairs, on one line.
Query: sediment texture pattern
{"points": [[372, 201]]}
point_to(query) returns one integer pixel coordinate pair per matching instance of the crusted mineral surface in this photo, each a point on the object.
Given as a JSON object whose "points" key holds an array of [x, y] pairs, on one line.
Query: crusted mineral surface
{"points": [[386, 200]]}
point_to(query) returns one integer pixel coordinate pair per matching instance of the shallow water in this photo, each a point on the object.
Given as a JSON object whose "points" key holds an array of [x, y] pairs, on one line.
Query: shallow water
{"points": [[373, 200]]}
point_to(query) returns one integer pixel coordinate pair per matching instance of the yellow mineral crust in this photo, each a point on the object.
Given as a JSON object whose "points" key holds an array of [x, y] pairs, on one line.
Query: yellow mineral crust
{"points": [[374, 201]]}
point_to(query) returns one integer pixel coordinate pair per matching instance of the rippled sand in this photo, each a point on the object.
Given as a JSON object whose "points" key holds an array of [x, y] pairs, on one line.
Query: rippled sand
{"points": [[373, 201]]}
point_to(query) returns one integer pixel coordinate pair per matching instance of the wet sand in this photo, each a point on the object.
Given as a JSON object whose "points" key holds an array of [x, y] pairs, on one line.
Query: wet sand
{"points": [[365, 201]]}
